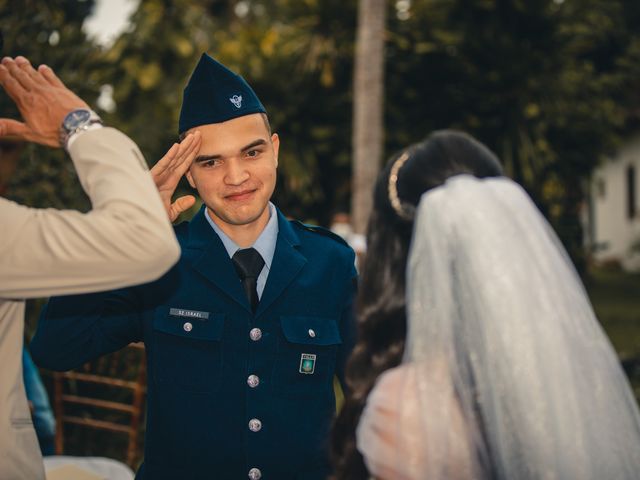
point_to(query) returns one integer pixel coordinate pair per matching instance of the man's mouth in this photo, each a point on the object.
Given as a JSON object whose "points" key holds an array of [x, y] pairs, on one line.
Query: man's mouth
{"points": [[240, 196]]}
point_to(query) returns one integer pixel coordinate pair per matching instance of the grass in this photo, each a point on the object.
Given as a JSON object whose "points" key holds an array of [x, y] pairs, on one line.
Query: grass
{"points": [[616, 299]]}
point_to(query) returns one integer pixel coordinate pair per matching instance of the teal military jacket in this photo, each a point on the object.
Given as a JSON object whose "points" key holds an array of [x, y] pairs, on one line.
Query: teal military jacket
{"points": [[231, 395]]}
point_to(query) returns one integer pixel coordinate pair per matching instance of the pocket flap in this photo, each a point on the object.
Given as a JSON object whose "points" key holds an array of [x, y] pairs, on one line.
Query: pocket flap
{"points": [[197, 328], [311, 330]]}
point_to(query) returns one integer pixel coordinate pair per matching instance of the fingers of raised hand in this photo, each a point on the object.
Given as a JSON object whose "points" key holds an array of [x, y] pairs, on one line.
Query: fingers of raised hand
{"points": [[19, 73], [31, 72], [189, 148], [176, 161], [13, 88], [180, 205], [14, 128], [164, 163], [49, 75], [179, 153], [183, 147], [18, 77]]}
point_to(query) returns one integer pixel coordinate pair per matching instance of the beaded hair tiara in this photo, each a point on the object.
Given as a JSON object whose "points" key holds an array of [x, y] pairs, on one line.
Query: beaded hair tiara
{"points": [[404, 210]]}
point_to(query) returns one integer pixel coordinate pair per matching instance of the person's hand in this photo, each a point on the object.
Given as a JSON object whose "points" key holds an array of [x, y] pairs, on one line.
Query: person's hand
{"points": [[42, 99], [169, 170]]}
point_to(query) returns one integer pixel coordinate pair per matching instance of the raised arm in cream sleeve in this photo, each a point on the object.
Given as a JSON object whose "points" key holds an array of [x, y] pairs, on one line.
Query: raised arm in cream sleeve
{"points": [[125, 239]]}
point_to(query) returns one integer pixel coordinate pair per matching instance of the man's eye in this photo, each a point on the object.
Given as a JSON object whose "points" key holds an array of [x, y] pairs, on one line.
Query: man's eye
{"points": [[210, 163], [253, 153]]}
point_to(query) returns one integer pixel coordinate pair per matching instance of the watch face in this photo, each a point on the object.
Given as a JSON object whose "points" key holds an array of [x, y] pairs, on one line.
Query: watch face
{"points": [[76, 118]]}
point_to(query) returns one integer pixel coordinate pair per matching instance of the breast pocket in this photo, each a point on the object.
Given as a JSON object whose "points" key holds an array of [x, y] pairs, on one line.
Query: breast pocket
{"points": [[306, 356], [187, 351]]}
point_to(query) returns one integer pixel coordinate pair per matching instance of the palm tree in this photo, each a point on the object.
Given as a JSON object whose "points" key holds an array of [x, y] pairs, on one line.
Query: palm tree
{"points": [[368, 86]]}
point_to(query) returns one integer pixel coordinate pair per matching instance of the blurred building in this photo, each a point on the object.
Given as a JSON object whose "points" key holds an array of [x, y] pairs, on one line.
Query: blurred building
{"points": [[613, 218]]}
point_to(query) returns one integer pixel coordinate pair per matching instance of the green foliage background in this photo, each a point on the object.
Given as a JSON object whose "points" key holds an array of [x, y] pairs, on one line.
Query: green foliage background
{"points": [[550, 85]]}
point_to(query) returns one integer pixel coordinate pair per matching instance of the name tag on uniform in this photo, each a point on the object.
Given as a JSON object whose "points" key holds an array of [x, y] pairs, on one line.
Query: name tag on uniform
{"points": [[181, 312], [307, 363]]}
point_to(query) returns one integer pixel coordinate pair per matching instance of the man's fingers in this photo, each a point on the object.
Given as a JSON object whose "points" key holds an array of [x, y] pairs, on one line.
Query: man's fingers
{"points": [[161, 166], [13, 128], [26, 67], [50, 76], [11, 85], [188, 158], [168, 171], [17, 73], [185, 146], [180, 205], [195, 144]]}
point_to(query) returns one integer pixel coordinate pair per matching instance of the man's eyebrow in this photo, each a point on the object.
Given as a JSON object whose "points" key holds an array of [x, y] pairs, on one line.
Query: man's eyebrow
{"points": [[208, 158], [205, 158], [254, 144]]}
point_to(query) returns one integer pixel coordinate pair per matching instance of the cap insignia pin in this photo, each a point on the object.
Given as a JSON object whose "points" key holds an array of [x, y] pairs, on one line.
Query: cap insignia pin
{"points": [[236, 100]]}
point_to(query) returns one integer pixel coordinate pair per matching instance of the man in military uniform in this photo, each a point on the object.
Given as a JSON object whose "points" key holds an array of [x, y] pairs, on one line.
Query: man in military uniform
{"points": [[245, 334]]}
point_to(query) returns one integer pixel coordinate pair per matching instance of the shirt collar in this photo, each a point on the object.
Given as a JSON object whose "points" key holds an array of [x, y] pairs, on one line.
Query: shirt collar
{"points": [[265, 244]]}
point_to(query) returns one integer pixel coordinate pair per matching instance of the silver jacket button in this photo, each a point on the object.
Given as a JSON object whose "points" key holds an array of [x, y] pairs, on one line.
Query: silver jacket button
{"points": [[255, 474], [187, 326], [255, 334], [253, 381], [255, 425], [312, 333]]}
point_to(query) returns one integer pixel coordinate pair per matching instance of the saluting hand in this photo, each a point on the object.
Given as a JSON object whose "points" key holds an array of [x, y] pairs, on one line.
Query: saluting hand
{"points": [[169, 170], [42, 99]]}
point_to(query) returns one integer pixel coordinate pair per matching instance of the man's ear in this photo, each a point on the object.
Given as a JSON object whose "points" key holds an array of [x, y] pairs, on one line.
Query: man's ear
{"points": [[275, 140], [190, 179]]}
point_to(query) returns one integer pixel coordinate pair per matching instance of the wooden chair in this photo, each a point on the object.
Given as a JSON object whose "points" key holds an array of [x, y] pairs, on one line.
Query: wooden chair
{"points": [[107, 394]]}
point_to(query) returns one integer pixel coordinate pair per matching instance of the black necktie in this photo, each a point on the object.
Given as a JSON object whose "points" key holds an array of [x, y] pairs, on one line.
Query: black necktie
{"points": [[248, 264]]}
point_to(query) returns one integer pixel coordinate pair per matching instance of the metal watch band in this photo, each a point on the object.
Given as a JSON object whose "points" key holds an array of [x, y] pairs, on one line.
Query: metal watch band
{"points": [[66, 132], [85, 128]]}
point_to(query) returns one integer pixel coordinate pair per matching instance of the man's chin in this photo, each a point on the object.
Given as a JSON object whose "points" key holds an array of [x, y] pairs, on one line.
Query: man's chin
{"points": [[239, 219]]}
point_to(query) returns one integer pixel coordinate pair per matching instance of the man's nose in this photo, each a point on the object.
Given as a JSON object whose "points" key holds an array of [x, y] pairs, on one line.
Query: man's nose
{"points": [[236, 173]]}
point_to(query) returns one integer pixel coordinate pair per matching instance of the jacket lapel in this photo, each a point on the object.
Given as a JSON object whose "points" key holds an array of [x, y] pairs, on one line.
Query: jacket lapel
{"points": [[206, 254], [287, 263]]}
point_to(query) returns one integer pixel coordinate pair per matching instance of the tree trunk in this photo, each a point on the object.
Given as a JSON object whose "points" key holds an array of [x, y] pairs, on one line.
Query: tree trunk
{"points": [[368, 99]]}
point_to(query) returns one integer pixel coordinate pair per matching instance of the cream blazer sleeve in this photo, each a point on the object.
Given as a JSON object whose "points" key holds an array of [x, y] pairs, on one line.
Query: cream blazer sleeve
{"points": [[125, 239]]}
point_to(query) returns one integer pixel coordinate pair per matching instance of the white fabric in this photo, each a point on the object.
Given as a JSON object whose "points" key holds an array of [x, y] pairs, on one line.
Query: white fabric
{"points": [[502, 335]]}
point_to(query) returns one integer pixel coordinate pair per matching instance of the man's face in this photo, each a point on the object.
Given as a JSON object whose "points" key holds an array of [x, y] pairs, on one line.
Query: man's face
{"points": [[235, 170]]}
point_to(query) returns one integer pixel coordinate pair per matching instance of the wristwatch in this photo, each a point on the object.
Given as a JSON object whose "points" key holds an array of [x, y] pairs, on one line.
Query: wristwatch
{"points": [[76, 121]]}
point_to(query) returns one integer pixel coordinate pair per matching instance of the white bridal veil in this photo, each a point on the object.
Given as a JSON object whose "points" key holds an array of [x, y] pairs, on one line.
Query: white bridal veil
{"points": [[501, 335]]}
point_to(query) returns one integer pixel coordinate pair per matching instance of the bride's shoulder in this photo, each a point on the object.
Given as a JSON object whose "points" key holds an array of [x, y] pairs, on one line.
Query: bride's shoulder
{"points": [[393, 398], [387, 431], [391, 383]]}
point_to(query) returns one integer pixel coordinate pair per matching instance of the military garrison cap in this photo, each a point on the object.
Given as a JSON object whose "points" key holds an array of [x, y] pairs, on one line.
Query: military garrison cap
{"points": [[215, 94]]}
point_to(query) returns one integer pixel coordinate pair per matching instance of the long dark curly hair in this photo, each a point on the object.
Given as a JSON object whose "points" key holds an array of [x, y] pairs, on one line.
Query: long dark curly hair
{"points": [[381, 296]]}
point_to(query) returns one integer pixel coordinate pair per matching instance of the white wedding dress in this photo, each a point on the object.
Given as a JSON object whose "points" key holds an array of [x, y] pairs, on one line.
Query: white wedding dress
{"points": [[507, 373]]}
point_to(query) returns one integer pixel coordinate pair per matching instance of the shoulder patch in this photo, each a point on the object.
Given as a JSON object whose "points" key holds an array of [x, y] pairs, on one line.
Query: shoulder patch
{"points": [[321, 230]]}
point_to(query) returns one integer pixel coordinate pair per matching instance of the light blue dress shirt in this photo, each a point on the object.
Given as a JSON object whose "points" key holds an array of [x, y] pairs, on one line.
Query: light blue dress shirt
{"points": [[265, 244]]}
